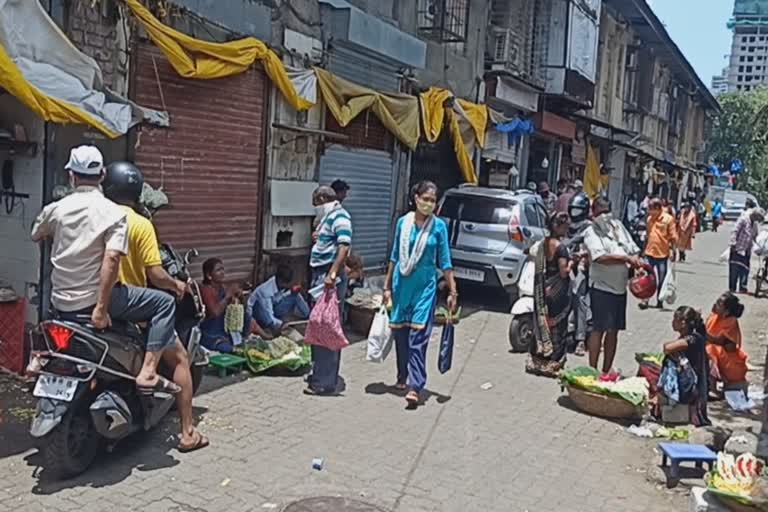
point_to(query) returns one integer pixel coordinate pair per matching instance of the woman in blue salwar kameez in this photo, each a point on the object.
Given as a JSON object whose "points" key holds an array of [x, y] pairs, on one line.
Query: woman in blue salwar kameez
{"points": [[420, 248]]}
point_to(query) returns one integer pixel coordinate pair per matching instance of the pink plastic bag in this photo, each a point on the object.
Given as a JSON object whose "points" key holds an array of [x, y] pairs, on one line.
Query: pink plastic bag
{"points": [[324, 327]]}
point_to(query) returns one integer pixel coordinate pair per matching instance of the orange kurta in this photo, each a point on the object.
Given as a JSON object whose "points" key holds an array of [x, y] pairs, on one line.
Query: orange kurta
{"points": [[687, 229], [731, 366]]}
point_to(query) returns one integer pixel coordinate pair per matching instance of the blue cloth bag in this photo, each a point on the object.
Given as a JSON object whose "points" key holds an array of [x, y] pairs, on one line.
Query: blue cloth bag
{"points": [[446, 349]]}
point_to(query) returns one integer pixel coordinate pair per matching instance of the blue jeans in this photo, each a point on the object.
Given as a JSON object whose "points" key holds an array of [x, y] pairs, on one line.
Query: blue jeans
{"points": [[738, 271], [660, 266]]}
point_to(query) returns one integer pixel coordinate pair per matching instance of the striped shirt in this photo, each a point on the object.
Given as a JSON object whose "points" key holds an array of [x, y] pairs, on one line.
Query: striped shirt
{"points": [[335, 229]]}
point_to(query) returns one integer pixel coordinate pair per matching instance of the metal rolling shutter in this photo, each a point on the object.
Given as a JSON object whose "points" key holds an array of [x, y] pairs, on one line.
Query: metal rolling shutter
{"points": [[363, 67], [369, 174], [209, 162]]}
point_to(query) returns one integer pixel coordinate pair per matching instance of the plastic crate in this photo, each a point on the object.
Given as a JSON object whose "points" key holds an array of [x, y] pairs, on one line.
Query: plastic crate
{"points": [[12, 340]]}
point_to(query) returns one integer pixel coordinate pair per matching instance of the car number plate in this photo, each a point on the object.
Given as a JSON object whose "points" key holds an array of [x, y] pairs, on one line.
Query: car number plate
{"points": [[56, 387], [470, 274]]}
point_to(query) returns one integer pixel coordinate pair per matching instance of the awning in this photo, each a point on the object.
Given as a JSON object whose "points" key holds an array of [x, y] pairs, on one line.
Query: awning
{"points": [[44, 70]]}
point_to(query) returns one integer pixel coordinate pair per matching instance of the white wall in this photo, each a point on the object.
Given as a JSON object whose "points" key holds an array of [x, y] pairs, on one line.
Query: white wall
{"points": [[19, 256]]}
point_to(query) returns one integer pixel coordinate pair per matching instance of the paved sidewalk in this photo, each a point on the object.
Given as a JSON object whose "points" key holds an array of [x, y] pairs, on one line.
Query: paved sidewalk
{"points": [[514, 447]]}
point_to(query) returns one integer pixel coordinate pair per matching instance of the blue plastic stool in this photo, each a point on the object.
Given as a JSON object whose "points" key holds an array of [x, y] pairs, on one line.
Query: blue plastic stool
{"points": [[684, 452]]}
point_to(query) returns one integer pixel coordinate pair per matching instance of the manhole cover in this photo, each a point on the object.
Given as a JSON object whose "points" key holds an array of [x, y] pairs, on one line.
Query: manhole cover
{"points": [[331, 504]]}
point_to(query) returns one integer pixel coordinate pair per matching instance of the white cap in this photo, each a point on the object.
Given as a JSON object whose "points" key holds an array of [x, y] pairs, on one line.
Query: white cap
{"points": [[85, 160]]}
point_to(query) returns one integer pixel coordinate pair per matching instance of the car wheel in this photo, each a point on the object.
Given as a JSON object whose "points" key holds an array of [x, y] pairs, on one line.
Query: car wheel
{"points": [[521, 333]]}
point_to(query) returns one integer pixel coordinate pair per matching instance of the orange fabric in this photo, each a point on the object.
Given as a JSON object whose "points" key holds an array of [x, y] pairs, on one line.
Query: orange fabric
{"points": [[732, 366], [688, 222], [662, 231]]}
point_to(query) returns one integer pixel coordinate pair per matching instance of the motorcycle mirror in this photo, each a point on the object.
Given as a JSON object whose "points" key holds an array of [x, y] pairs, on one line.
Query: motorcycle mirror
{"points": [[190, 255]]}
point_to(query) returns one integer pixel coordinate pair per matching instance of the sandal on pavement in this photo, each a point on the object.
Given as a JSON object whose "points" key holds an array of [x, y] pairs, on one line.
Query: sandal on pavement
{"points": [[412, 398], [162, 385], [199, 443]]}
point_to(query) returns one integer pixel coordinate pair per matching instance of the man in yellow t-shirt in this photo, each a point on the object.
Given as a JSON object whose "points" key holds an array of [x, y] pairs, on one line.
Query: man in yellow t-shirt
{"points": [[123, 185]]}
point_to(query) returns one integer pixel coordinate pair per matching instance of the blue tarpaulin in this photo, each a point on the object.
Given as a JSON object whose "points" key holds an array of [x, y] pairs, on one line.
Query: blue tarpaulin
{"points": [[715, 170], [515, 128]]}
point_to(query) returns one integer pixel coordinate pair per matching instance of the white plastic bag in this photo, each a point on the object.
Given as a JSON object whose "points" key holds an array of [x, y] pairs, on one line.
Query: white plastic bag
{"points": [[725, 255], [668, 291], [379, 337]]}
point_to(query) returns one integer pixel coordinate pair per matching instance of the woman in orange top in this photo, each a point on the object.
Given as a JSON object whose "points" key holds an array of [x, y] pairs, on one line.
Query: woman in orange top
{"points": [[728, 360], [686, 229]]}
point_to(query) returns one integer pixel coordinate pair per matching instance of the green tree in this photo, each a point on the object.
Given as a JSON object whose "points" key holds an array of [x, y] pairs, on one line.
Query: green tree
{"points": [[741, 131]]}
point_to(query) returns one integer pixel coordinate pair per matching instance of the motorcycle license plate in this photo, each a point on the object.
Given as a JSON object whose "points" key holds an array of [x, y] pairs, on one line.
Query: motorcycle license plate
{"points": [[56, 387]]}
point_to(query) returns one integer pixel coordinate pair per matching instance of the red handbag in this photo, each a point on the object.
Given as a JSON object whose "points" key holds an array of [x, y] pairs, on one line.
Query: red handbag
{"points": [[643, 285]]}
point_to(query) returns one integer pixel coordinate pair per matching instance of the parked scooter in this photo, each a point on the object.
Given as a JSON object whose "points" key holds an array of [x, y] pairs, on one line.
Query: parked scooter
{"points": [[86, 387]]}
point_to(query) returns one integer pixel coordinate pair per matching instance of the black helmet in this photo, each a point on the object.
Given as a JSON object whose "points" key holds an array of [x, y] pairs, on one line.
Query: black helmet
{"points": [[123, 183], [578, 207]]}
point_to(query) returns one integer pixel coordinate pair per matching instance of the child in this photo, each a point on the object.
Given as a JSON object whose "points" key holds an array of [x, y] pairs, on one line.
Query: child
{"points": [[728, 360], [688, 352]]}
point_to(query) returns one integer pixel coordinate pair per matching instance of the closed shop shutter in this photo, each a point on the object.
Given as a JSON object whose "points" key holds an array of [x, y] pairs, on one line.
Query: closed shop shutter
{"points": [[437, 163], [369, 175], [363, 67], [209, 162]]}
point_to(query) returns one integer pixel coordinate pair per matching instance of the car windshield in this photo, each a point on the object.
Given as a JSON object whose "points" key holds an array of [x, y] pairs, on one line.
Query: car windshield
{"points": [[481, 210]]}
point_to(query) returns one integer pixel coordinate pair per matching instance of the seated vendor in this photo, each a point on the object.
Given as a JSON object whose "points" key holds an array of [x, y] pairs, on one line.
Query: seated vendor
{"points": [[727, 359], [354, 268], [216, 297], [684, 376], [277, 299]]}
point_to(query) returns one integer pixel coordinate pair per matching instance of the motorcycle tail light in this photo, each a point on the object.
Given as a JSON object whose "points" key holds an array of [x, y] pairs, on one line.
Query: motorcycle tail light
{"points": [[60, 335]]}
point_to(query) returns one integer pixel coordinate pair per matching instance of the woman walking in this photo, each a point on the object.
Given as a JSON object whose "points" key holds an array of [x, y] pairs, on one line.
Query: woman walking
{"points": [[551, 300], [420, 249], [687, 227]]}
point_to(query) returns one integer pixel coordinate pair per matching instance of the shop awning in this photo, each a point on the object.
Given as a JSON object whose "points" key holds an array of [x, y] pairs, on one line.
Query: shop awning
{"points": [[44, 70]]}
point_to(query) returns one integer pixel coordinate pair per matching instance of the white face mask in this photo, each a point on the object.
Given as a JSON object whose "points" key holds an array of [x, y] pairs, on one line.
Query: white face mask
{"points": [[322, 209]]}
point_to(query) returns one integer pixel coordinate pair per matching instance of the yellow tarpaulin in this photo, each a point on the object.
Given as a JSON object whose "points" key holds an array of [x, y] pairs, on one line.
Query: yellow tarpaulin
{"points": [[46, 107], [399, 113], [195, 58], [594, 181], [467, 123]]}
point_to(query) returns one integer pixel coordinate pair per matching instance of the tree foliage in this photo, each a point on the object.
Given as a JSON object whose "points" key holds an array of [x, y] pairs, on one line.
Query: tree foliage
{"points": [[741, 131]]}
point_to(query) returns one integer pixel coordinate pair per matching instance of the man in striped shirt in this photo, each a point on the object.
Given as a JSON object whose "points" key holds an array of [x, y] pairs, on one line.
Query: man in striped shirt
{"points": [[333, 238]]}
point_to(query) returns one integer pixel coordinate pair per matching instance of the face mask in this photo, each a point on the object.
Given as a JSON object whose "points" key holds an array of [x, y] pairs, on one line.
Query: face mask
{"points": [[322, 209], [603, 220], [424, 207]]}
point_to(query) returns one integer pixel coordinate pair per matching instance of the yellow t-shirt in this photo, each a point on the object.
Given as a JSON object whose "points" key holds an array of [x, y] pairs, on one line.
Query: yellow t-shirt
{"points": [[143, 250]]}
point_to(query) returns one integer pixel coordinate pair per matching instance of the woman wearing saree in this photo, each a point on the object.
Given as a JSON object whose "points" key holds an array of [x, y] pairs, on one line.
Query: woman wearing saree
{"points": [[728, 360], [687, 226], [419, 250], [551, 300]]}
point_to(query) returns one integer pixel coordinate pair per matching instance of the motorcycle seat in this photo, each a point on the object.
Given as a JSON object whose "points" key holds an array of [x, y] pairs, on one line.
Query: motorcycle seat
{"points": [[118, 329]]}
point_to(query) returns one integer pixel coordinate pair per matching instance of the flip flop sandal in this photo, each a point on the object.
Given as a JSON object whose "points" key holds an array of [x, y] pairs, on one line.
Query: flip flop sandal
{"points": [[162, 385], [200, 442], [412, 398]]}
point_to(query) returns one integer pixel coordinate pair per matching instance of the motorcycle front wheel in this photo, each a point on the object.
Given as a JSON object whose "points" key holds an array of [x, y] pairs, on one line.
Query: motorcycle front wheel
{"points": [[72, 446]]}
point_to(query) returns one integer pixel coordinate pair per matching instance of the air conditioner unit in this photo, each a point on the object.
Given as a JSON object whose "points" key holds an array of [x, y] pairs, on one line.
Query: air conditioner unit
{"points": [[505, 52]]}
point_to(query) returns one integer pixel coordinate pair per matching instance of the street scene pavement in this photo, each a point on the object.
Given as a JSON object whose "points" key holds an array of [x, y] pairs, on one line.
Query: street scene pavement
{"points": [[489, 438]]}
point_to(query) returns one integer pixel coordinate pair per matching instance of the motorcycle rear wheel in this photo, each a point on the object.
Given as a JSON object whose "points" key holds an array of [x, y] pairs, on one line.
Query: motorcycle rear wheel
{"points": [[72, 446]]}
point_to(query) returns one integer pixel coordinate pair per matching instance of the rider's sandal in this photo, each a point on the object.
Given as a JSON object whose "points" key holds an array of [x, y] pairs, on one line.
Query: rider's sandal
{"points": [[162, 385], [200, 442]]}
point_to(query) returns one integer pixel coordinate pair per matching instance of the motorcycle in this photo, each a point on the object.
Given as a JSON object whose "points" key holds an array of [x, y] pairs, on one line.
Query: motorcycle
{"points": [[637, 228], [86, 386], [521, 330]]}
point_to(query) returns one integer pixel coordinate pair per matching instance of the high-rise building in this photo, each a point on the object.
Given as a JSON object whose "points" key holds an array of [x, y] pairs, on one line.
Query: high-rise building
{"points": [[748, 66], [720, 83]]}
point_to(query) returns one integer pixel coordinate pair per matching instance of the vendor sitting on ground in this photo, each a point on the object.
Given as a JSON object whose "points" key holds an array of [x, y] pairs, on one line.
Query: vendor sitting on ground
{"points": [[277, 299], [216, 297], [354, 268], [684, 376], [727, 359]]}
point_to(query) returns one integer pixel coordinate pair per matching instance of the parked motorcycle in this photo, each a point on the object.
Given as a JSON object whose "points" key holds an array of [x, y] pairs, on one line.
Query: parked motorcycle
{"points": [[86, 386]]}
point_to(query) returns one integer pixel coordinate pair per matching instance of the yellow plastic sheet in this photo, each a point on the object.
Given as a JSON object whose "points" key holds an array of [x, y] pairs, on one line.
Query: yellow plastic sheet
{"points": [[460, 148], [46, 107], [433, 112], [477, 116], [195, 58], [399, 113], [594, 181]]}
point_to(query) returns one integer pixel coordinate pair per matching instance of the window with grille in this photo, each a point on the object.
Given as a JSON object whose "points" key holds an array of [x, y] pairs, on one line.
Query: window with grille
{"points": [[444, 20]]}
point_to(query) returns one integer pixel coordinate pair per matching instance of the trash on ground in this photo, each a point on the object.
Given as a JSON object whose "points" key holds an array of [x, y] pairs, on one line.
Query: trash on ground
{"points": [[640, 431], [756, 393], [486, 386], [269, 506], [226, 482], [738, 400], [317, 463]]}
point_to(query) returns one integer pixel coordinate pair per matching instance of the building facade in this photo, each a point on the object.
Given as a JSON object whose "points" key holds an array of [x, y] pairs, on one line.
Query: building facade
{"points": [[748, 66]]}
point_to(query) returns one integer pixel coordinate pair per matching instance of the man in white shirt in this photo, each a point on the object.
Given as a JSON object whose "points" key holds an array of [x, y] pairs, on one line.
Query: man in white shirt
{"points": [[276, 299], [611, 252], [90, 236]]}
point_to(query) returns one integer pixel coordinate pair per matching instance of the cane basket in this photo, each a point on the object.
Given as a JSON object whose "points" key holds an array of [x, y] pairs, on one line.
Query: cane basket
{"points": [[603, 405]]}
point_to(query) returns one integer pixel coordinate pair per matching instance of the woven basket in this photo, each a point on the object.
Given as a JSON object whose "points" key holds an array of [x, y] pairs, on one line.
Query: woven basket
{"points": [[603, 405]]}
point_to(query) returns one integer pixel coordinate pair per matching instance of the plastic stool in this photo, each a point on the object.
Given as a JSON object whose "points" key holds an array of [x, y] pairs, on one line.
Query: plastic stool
{"points": [[224, 362], [684, 452]]}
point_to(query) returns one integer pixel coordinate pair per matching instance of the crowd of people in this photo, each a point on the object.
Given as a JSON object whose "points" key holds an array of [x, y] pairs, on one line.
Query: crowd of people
{"points": [[582, 271]]}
